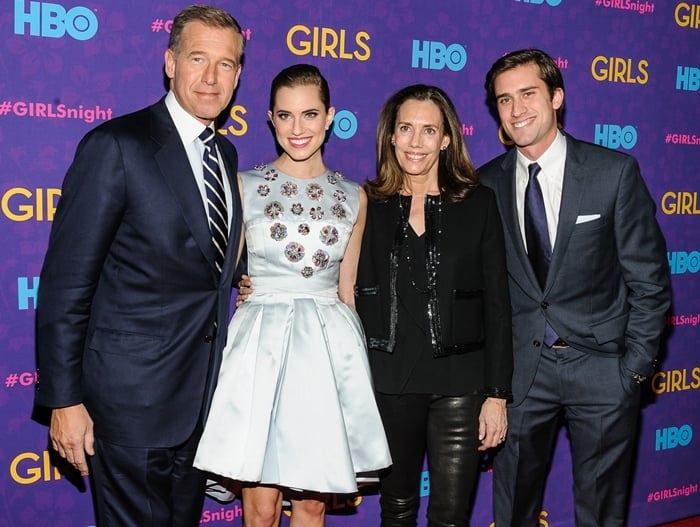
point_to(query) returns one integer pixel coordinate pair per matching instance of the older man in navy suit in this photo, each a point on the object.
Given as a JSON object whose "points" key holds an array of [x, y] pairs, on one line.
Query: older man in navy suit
{"points": [[135, 293], [589, 286]]}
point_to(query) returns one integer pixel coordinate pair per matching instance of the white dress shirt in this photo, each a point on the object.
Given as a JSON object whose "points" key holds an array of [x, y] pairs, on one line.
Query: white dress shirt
{"points": [[189, 129], [551, 179]]}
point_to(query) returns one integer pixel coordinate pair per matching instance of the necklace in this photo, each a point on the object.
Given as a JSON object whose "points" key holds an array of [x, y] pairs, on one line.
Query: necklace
{"points": [[433, 210], [410, 271]]}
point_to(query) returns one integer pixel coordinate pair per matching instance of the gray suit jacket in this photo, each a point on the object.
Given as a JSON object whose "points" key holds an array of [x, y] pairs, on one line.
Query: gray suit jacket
{"points": [[608, 286]]}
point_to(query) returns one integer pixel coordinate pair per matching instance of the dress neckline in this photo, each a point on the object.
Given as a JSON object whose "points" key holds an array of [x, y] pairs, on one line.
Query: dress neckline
{"points": [[283, 173]]}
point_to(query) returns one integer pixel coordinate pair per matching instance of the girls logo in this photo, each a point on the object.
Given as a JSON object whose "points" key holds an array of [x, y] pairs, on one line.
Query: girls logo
{"points": [[328, 42]]}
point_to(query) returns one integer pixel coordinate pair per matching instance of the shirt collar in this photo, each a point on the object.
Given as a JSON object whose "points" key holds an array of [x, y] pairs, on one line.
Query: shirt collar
{"points": [[186, 125], [551, 160]]}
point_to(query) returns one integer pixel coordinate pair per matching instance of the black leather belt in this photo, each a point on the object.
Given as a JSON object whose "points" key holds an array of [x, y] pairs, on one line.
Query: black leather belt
{"points": [[559, 344]]}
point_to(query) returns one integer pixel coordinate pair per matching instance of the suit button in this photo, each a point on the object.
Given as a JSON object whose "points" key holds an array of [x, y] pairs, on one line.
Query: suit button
{"points": [[544, 305], [208, 338], [536, 343]]}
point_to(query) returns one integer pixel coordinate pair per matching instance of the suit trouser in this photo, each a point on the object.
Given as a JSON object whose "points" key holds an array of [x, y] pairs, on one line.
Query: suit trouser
{"points": [[599, 405], [447, 428], [147, 487]]}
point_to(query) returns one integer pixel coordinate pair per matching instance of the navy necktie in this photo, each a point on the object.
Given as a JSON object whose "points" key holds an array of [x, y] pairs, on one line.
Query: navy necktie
{"points": [[216, 197], [539, 249]]}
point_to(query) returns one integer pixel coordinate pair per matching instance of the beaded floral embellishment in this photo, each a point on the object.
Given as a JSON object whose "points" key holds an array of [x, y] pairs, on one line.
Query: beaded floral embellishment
{"points": [[273, 210], [328, 235], [320, 259], [314, 191], [289, 189], [278, 231], [338, 211], [294, 252], [334, 177], [271, 174]]}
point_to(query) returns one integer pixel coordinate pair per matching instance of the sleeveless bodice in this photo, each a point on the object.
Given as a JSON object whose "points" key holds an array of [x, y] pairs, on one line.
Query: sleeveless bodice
{"points": [[297, 227]]}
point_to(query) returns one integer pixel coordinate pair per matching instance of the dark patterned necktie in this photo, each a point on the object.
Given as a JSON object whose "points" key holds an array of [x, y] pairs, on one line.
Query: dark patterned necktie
{"points": [[216, 198], [539, 249]]}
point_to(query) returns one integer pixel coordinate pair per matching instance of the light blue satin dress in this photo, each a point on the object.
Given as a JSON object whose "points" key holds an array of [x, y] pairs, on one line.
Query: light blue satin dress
{"points": [[294, 404]]}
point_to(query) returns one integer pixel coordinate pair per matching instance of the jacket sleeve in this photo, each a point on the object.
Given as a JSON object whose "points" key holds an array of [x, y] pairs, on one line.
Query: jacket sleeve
{"points": [[497, 310], [87, 218], [641, 250]]}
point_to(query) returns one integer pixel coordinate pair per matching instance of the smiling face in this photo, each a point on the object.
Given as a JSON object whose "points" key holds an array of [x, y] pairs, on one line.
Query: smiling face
{"points": [[204, 70], [526, 110], [418, 138], [301, 121]]}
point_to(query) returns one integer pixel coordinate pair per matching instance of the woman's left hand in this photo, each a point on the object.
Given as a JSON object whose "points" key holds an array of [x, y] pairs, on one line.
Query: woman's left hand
{"points": [[493, 423]]}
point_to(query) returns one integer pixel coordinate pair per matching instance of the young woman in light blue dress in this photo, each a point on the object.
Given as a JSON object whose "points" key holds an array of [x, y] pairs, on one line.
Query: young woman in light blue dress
{"points": [[294, 412]]}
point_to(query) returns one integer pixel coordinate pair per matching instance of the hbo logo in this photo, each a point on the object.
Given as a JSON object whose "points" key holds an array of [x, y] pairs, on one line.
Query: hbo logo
{"points": [[344, 124], [681, 262], [53, 21], [671, 437], [687, 78], [614, 136], [435, 55]]}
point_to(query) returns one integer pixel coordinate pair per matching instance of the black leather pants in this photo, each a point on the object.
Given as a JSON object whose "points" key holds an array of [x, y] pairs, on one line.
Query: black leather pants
{"points": [[447, 429]]}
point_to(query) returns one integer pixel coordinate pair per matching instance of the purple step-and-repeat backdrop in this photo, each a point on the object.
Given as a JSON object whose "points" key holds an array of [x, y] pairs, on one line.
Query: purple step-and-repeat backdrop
{"points": [[632, 74]]}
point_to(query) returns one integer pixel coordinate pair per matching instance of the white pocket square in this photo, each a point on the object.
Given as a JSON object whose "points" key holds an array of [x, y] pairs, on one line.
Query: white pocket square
{"points": [[585, 218]]}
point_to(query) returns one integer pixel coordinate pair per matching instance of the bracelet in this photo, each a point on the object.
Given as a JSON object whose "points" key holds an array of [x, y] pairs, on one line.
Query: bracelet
{"points": [[638, 377]]}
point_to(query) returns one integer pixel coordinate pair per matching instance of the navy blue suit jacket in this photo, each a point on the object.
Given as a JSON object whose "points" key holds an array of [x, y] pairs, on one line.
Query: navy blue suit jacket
{"points": [[608, 285], [129, 298]]}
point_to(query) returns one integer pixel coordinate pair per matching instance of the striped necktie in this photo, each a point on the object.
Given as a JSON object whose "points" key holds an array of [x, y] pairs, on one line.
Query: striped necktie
{"points": [[216, 198]]}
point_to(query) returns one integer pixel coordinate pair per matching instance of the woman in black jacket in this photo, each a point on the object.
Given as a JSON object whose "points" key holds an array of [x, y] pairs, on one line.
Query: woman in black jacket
{"points": [[432, 294]]}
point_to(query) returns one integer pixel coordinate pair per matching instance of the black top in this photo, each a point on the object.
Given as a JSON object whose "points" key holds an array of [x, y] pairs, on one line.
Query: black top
{"points": [[474, 309], [413, 347]]}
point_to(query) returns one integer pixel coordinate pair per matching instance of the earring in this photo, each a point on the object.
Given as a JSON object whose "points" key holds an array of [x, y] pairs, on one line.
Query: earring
{"points": [[503, 136], [393, 143], [443, 147]]}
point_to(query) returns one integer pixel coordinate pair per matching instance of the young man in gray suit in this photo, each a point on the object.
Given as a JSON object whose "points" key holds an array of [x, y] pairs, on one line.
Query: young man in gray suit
{"points": [[135, 291], [589, 286]]}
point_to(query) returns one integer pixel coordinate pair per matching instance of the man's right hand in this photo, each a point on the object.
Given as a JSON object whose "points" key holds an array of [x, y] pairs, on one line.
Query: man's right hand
{"points": [[71, 433]]}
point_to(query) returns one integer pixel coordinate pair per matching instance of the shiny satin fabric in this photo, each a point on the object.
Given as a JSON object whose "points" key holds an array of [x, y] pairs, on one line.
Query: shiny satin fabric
{"points": [[294, 404]]}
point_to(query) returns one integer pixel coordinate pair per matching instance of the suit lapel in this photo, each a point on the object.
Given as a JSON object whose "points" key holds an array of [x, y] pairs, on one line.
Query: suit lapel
{"points": [[175, 168], [230, 158], [572, 191], [511, 224]]}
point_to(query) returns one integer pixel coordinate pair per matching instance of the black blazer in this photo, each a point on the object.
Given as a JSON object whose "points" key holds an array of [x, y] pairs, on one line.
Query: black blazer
{"points": [[474, 308], [129, 297]]}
